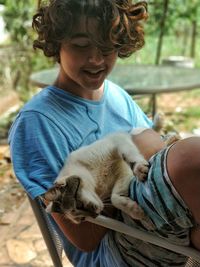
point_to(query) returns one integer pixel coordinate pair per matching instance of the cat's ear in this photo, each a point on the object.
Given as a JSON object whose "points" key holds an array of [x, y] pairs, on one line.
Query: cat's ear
{"points": [[63, 197], [53, 207], [53, 193], [72, 185], [70, 195]]}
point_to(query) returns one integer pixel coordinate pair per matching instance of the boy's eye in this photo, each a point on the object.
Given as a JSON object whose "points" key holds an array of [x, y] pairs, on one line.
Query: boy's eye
{"points": [[81, 43], [107, 52]]}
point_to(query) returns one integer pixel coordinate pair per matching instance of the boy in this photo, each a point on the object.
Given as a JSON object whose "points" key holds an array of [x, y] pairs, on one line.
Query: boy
{"points": [[85, 37]]}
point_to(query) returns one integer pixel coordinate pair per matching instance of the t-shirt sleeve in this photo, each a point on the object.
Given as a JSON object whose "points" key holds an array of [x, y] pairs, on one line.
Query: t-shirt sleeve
{"points": [[139, 118], [125, 106], [38, 151]]}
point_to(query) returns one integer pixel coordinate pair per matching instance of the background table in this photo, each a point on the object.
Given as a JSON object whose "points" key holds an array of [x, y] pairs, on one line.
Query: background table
{"points": [[140, 79]]}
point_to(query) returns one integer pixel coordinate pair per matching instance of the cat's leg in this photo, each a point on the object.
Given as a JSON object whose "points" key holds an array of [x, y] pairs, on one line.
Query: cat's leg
{"points": [[91, 201], [88, 204], [171, 138], [131, 154], [120, 200]]}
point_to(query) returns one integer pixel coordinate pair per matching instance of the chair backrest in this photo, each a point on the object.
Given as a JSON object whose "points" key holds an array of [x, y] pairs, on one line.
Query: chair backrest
{"points": [[192, 263], [50, 236]]}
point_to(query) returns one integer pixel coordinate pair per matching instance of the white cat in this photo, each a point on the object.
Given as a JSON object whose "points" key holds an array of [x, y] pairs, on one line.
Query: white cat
{"points": [[97, 172]]}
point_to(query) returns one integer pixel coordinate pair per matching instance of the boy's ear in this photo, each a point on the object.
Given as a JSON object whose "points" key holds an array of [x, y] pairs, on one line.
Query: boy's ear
{"points": [[139, 11]]}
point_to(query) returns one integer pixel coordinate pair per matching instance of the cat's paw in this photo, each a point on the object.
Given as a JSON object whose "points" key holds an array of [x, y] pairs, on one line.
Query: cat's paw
{"points": [[140, 170], [94, 209], [135, 211], [148, 224], [91, 203], [83, 211], [171, 138]]}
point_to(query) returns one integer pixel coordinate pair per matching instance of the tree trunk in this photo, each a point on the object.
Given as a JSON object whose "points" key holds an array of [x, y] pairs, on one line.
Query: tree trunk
{"points": [[162, 31], [193, 42], [186, 34], [38, 4]]}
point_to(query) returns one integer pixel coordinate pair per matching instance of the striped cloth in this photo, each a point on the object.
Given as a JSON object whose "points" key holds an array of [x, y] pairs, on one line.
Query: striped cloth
{"points": [[167, 211]]}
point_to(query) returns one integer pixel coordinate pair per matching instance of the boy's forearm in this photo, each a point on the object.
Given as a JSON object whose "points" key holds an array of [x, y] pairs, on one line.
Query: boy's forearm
{"points": [[85, 236]]}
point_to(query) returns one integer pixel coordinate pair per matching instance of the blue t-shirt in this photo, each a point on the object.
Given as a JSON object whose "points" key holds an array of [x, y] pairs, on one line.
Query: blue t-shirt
{"points": [[53, 124]]}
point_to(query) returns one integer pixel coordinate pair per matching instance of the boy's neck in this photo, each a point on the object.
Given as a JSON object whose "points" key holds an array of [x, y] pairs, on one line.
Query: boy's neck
{"points": [[94, 95]]}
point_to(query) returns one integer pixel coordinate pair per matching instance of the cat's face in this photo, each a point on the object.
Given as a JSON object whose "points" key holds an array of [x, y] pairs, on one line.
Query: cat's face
{"points": [[66, 199]]}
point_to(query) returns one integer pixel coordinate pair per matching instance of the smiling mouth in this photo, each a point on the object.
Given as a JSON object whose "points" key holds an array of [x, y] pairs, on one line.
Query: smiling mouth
{"points": [[94, 72]]}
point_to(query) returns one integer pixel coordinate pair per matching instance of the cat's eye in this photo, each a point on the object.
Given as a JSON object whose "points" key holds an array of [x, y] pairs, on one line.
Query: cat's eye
{"points": [[79, 204]]}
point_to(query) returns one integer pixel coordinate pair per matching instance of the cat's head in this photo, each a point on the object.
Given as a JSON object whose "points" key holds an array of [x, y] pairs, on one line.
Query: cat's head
{"points": [[66, 199]]}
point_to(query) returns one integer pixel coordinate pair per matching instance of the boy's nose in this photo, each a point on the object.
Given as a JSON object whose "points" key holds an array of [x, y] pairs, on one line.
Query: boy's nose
{"points": [[96, 56]]}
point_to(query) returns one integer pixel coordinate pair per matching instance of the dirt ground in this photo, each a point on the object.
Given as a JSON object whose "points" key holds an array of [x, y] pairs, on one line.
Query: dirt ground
{"points": [[11, 192]]}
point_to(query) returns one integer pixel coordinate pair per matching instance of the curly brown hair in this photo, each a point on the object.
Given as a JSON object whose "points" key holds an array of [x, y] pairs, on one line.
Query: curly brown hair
{"points": [[118, 20]]}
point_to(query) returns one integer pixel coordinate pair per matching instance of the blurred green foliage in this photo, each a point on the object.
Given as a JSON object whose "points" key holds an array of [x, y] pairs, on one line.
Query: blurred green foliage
{"points": [[179, 24], [17, 16], [180, 12], [181, 37], [22, 60], [182, 20]]}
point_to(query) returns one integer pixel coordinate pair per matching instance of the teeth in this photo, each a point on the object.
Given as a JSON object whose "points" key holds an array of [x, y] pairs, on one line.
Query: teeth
{"points": [[94, 72]]}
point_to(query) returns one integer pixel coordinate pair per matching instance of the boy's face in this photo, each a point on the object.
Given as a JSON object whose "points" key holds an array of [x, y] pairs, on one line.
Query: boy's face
{"points": [[84, 67]]}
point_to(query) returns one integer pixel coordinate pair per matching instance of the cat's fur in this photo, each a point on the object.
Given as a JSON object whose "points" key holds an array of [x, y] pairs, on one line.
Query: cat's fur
{"points": [[97, 172]]}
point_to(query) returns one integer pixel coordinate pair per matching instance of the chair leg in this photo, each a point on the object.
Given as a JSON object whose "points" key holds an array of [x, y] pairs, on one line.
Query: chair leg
{"points": [[50, 236]]}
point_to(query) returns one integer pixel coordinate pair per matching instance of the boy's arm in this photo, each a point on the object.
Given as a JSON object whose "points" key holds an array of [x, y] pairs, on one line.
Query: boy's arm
{"points": [[85, 236], [149, 142]]}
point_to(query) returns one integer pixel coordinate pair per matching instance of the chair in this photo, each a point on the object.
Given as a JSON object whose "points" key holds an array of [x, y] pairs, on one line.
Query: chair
{"points": [[55, 248], [50, 236]]}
